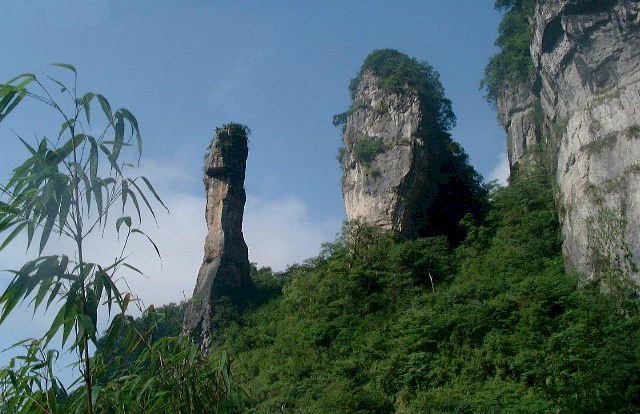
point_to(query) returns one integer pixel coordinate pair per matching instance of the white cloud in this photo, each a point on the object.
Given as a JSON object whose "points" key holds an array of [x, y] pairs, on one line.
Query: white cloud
{"points": [[501, 170], [278, 232]]}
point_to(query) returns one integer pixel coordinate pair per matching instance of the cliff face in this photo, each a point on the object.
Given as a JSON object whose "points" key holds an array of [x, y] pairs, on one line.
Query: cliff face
{"points": [[583, 107], [226, 264], [380, 185], [402, 170]]}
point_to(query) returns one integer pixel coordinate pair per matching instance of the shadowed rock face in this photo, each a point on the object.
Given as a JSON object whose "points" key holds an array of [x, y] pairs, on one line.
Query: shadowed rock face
{"points": [[226, 265], [583, 106], [399, 173]]}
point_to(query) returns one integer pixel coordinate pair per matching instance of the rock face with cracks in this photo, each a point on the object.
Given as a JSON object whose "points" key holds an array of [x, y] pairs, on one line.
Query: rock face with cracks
{"points": [[401, 169], [582, 108], [380, 188], [226, 265]]}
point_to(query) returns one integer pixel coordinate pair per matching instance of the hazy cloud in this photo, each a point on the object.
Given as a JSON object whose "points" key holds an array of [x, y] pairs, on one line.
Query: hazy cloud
{"points": [[278, 232], [500, 171]]}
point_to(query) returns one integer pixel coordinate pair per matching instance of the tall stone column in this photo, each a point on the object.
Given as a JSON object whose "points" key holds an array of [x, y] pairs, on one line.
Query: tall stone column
{"points": [[226, 264]]}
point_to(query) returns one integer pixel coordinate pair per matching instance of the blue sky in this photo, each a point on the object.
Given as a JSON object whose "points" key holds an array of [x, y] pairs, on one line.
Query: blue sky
{"points": [[281, 67]]}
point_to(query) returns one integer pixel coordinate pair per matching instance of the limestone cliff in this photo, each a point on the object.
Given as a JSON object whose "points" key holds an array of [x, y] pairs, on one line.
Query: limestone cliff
{"points": [[582, 105], [226, 264], [401, 169]]}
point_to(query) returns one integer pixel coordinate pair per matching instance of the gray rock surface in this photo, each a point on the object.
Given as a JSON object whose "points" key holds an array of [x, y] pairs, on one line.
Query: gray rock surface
{"points": [[226, 264], [380, 193], [583, 106], [418, 182]]}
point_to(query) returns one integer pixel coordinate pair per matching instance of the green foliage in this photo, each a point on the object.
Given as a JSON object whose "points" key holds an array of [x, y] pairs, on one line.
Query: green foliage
{"points": [[229, 135], [366, 148], [513, 61], [119, 348], [399, 74], [171, 375], [28, 383], [377, 325], [633, 132], [453, 191], [60, 189], [611, 255]]}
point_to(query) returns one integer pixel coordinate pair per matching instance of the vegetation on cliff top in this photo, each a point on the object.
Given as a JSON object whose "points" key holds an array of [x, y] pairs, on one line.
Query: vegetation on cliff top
{"points": [[513, 61], [399, 73]]}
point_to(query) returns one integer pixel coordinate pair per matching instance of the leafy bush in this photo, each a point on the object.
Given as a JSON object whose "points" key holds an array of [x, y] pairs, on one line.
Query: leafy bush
{"points": [[366, 148], [513, 61], [171, 375], [400, 73]]}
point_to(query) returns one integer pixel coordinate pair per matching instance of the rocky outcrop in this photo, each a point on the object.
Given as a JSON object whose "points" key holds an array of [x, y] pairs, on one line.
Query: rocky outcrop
{"points": [[226, 265], [400, 172], [583, 107], [381, 149]]}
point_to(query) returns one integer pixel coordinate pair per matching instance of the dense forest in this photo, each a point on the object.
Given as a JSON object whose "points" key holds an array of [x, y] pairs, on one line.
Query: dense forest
{"points": [[377, 325]]}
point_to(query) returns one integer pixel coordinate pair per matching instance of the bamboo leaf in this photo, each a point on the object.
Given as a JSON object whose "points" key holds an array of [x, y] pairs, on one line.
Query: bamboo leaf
{"points": [[135, 203], [53, 294], [13, 235], [30, 76], [106, 108], [96, 187], [66, 66], [124, 193], [31, 228], [112, 161], [8, 105], [150, 241], [134, 125], [126, 220], [65, 126], [65, 206], [70, 317], [86, 103], [55, 325], [132, 268], [29, 147], [146, 181], [45, 285], [63, 87], [119, 136], [144, 198], [46, 231], [93, 158], [87, 184]]}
